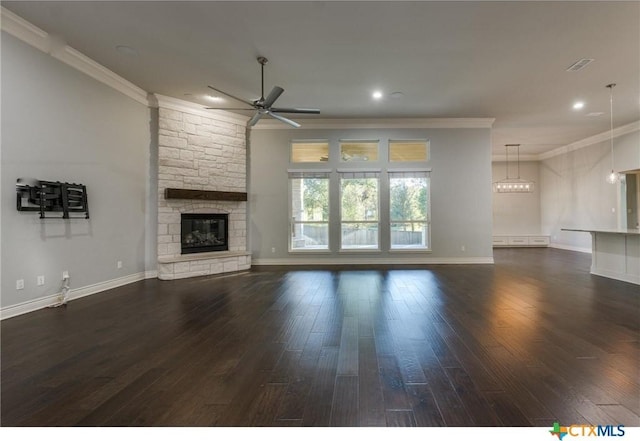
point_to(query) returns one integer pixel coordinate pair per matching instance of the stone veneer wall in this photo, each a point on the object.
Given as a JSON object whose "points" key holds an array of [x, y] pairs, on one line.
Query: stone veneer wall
{"points": [[200, 151]]}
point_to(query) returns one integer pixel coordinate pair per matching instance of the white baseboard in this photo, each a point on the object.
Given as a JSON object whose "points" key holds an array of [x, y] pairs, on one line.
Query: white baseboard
{"points": [[570, 248], [372, 261], [631, 278], [45, 302]]}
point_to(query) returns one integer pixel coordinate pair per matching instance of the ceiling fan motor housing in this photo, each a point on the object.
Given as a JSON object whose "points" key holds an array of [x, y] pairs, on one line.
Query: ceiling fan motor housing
{"points": [[263, 105]]}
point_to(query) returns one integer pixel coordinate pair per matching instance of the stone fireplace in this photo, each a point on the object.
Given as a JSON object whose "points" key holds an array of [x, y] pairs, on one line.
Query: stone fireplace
{"points": [[201, 175]]}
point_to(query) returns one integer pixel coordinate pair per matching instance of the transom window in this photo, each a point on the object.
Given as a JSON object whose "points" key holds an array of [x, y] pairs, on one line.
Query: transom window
{"points": [[357, 151], [408, 150], [310, 151]]}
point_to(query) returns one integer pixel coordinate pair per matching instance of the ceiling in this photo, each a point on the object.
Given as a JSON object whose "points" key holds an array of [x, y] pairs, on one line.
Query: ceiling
{"points": [[479, 59]]}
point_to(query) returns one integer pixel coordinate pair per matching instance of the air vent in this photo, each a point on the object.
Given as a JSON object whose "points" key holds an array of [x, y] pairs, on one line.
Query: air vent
{"points": [[579, 65]]}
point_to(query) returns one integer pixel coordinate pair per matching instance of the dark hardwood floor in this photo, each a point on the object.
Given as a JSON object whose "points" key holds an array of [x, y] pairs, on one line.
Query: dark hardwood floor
{"points": [[528, 341]]}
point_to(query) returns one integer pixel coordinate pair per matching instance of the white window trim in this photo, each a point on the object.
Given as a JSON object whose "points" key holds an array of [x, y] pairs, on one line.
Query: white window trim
{"points": [[290, 221], [341, 249], [427, 249]]}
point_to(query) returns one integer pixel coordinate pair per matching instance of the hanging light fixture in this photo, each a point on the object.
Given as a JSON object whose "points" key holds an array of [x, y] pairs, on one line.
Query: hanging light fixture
{"points": [[513, 185], [613, 177]]}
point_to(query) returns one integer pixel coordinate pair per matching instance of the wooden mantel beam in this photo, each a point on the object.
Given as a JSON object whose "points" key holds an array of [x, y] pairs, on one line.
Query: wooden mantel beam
{"points": [[204, 195]]}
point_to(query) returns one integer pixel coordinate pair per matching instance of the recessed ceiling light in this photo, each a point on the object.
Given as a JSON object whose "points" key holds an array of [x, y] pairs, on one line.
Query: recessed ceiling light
{"points": [[396, 95], [376, 95], [578, 105], [215, 99], [127, 50]]}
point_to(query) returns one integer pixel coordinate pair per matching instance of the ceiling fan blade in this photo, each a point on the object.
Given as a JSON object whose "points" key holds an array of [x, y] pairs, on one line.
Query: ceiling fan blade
{"points": [[225, 108], [248, 103], [273, 96], [295, 110], [253, 121], [283, 119]]}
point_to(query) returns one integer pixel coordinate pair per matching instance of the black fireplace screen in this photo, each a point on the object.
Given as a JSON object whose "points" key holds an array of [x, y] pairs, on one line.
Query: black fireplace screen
{"points": [[202, 233]]}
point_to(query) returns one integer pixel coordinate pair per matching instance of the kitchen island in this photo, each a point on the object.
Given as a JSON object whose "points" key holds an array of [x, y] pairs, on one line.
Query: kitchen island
{"points": [[615, 253]]}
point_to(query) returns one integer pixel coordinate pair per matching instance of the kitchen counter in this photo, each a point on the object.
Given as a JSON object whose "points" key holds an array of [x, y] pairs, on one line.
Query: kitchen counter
{"points": [[615, 253]]}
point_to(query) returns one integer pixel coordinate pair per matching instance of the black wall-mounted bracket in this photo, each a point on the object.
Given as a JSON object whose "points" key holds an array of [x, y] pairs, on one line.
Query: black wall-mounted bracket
{"points": [[52, 197]]}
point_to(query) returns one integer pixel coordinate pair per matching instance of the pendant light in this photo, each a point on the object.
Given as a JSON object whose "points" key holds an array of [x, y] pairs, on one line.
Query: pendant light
{"points": [[613, 177], [513, 185]]}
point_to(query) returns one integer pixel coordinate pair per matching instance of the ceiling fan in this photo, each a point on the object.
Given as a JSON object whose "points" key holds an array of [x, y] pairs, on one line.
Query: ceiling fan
{"points": [[263, 106]]}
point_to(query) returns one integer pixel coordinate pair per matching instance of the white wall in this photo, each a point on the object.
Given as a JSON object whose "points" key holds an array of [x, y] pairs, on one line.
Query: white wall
{"points": [[461, 212], [517, 213], [59, 124], [574, 193]]}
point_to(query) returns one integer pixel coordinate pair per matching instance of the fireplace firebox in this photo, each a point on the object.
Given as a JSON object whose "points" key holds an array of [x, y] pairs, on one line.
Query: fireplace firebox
{"points": [[202, 233]]}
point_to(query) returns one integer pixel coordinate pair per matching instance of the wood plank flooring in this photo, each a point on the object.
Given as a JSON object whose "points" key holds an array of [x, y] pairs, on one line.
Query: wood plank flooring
{"points": [[528, 341]]}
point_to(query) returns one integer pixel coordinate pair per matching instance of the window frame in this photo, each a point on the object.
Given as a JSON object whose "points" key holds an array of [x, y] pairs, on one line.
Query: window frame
{"points": [[309, 174], [309, 141], [427, 144], [374, 174], [356, 141], [427, 175]]}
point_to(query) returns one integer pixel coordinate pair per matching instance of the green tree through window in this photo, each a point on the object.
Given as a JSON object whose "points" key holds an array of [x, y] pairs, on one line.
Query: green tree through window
{"points": [[359, 211], [408, 210]]}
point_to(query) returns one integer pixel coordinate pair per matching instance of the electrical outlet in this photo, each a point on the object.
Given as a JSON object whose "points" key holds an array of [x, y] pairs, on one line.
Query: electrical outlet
{"points": [[463, 248], [65, 275], [273, 250], [40, 280], [119, 264], [20, 284]]}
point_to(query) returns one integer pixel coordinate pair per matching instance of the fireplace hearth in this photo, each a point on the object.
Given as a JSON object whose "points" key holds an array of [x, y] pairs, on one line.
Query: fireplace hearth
{"points": [[204, 232]]}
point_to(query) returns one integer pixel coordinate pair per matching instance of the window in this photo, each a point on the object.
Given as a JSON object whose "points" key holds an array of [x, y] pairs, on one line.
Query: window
{"points": [[409, 210], [309, 192], [310, 151], [354, 151], [359, 223], [408, 150]]}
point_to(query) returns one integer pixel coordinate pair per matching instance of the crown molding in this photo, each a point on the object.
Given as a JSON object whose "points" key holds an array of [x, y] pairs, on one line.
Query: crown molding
{"points": [[179, 105], [380, 123], [595, 139], [23, 30], [586, 142], [41, 40], [523, 158]]}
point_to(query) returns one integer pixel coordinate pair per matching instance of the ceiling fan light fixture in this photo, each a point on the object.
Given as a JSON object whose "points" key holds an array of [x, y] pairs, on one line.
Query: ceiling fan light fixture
{"points": [[263, 106]]}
